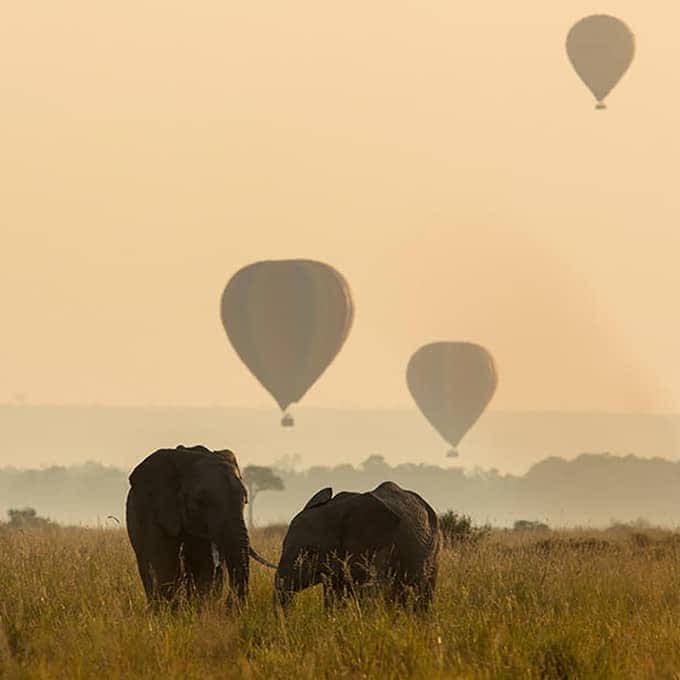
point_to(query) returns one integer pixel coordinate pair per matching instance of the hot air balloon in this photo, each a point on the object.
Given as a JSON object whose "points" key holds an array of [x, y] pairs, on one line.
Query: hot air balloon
{"points": [[600, 48], [287, 320], [452, 383]]}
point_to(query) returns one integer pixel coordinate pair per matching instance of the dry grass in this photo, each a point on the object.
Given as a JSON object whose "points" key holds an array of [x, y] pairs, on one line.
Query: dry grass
{"points": [[556, 605]]}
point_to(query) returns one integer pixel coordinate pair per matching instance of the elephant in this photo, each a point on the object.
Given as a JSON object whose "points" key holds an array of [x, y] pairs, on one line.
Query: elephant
{"points": [[389, 536], [185, 522]]}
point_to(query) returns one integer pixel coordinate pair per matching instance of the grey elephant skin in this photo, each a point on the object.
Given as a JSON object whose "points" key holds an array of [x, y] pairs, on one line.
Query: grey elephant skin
{"points": [[185, 522], [389, 535]]}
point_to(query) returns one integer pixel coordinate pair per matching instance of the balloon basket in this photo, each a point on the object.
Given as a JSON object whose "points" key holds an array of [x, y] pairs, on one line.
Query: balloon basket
{"points": [[600, 106], [452, 453], [287, 420]]}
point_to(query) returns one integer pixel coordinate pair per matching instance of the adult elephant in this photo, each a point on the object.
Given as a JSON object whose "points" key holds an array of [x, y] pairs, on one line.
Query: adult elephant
{"points": [[185, 522], [388, 535]]}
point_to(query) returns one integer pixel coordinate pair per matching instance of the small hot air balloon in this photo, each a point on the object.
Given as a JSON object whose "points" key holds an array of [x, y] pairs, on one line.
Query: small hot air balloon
{"points": [[287, 320], [452, 383], [600, 48]]}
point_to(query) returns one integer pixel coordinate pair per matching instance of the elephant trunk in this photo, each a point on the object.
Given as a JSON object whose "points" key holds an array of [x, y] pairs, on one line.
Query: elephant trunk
{"points": [[296, 572], [235, 548]]}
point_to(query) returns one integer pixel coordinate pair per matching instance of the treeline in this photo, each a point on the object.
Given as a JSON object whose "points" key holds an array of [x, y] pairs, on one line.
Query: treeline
{"points": [[85, 493], [592, 489]]}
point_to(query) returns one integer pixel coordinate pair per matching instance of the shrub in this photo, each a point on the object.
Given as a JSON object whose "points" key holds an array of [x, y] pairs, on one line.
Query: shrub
{"points": [[458, 529], [530, 525], [640, 524]]}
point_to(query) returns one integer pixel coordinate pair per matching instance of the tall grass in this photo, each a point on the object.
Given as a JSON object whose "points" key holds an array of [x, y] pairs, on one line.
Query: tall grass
{"points": [[555, 605]]}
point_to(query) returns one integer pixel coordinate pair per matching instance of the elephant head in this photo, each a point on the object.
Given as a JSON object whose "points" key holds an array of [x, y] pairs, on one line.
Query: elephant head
{"points": [[326, 533], [195, 492]]}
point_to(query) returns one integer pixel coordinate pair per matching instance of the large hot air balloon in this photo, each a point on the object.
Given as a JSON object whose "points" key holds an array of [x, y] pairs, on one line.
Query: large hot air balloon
{"points": [[600, 48], [287, 320], [452, 383]]}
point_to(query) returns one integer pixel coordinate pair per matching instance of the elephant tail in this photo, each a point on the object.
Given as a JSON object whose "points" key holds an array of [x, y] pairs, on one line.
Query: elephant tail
{"points": [[435, 533], [258, 558]]}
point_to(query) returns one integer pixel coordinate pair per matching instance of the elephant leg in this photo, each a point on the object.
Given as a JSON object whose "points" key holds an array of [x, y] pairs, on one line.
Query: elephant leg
{"points": [[328, 596], [157, 554], [403, 584], [163, 563], [413, 593], [202, 573], [159, 567], [427, 590], [135, 533], [402, 594], [335, 590]]}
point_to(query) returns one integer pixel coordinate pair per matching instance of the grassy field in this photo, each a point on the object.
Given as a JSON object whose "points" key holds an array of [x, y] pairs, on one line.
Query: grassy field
{"points": [[549, 605]]}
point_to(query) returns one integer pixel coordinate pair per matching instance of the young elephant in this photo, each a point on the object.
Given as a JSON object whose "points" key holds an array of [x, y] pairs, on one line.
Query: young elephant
{"points": [[348, 540], [185, 521]]}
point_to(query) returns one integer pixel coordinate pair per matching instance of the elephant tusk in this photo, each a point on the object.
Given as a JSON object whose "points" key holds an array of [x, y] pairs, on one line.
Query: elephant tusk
{"points": [[215, 554], [261, 560]]}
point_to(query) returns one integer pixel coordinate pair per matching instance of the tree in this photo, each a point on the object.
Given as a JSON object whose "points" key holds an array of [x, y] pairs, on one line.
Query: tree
{"points": [[375, 463], [258, 478], [24, 518]]}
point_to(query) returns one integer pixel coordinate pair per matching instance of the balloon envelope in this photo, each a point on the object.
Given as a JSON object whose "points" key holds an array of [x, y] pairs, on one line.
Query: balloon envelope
{"points": [[287, 320], [452, 383], [600, 48]]}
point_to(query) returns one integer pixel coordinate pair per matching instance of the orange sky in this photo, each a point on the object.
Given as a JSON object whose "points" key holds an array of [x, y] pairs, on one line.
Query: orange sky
{"points": [[445, 158]]}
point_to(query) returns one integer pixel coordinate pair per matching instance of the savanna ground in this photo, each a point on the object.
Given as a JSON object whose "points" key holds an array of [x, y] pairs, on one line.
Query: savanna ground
{"points": [[530, 605]]}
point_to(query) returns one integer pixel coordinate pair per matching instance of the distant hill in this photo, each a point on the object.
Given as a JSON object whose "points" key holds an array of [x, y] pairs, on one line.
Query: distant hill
{"points": [[592, 490], [36, 436]]}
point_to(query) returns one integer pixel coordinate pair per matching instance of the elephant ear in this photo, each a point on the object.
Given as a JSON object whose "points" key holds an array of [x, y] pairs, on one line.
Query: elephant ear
{"points": [[368, 525], [157, 478], [320, 498], [230, 459]]}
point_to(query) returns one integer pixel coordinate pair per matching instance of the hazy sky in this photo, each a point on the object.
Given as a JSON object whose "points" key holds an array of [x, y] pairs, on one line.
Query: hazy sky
{"points": [[443, 156]]}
